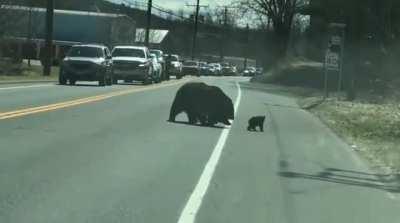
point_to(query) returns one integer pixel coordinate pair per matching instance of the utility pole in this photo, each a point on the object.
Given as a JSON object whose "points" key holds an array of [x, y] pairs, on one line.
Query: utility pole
{"points": [[196, 25], [49, 38], [149, 7], [29, 32], [247, 46], [225, 31]]}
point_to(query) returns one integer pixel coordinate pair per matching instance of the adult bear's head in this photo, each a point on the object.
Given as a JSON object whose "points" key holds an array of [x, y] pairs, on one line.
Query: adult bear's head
{"points": [[225, 107], [228, 110]]}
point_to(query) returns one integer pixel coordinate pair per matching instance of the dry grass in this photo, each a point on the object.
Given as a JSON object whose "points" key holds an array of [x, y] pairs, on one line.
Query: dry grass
{"points": [[373, 130], [294, 72], [15, 72]]}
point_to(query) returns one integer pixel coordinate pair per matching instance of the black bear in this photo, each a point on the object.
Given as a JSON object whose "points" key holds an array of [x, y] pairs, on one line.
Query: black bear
{"points": [[257, 121], [204, 103]]}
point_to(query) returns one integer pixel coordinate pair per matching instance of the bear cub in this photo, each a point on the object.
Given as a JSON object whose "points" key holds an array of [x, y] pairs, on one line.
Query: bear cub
{"points": [[257, 121]]}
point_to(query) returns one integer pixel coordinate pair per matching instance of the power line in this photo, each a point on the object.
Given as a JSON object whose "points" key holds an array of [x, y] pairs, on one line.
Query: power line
{"points": [[196, 25], [149, 7]]}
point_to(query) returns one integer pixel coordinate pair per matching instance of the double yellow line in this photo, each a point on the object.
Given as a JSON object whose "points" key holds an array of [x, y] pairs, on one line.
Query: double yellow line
{"points": [[66, 104]]}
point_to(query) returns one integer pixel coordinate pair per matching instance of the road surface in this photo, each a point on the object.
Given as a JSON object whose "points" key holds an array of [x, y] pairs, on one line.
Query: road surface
{"points": [[94, 154]]}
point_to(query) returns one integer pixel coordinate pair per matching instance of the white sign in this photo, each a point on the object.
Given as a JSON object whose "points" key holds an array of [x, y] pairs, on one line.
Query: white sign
{"points": [[332, 61]]}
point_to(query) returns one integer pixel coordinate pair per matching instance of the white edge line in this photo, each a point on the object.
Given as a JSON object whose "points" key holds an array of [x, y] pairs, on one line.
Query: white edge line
{"points": [[189, 212], [27, 86]]}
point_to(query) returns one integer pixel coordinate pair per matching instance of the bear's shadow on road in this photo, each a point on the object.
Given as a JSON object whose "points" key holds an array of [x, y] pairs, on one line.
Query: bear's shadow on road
{"points": [[197, 125], [389, 183]]}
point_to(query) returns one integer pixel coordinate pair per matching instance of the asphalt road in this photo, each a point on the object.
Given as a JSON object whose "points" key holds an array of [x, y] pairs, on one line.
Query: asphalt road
{"points": [[95, 154]]}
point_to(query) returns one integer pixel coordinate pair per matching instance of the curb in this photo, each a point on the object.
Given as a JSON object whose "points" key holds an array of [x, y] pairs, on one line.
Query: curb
{"points": [[27, 82]]}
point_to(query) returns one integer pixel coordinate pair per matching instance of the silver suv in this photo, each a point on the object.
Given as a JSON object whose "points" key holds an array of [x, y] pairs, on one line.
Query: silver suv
{"points": [[87, 63]]}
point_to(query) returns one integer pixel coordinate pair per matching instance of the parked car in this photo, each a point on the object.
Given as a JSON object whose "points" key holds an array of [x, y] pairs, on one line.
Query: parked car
{"points": [[87, 63], [191, 67], [218, 68], [157, 69], [228, 69], [203, 68], [132, 63], [250, 71], [211, 70], [160, 57], [174, 65]]}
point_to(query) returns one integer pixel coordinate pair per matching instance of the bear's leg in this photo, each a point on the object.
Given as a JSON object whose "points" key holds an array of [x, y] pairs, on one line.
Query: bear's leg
{"points": [[226, 122], [211, 120], [261, 127], [251, 126], [175, 110], [203, 120], [192, 118]]}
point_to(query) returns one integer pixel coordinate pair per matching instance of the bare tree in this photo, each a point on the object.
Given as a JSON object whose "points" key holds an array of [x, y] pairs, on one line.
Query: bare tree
{"points": [[280, 12], [11, 22]]}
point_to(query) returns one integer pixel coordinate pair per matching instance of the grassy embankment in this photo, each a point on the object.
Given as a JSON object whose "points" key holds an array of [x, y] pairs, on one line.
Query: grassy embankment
{"points": [[370, 125]]}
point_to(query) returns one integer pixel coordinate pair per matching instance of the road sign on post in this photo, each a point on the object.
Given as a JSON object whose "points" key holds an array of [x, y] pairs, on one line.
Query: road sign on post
{"points": [[334, 54]]}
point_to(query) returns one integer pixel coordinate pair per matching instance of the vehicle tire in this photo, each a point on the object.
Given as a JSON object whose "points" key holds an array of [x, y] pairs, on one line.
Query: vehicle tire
{"points": [[114, 80], [102, 81], [148, 81], [179, 76], [109, 81], [62, 80], [149, 78], [72, 81], [158, 80]]}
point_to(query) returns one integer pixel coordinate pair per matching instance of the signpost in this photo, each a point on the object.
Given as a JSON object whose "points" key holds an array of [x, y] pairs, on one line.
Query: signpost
{"points": [[334, 54]]}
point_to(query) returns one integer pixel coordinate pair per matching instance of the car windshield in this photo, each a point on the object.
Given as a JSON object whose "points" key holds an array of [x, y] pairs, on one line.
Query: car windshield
{"points": [[84, 51], [156, 52], [174, 58], [128, 52]]}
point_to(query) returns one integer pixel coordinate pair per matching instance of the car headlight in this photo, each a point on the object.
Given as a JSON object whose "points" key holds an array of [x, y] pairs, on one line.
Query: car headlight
{"points": [[144, 65]]}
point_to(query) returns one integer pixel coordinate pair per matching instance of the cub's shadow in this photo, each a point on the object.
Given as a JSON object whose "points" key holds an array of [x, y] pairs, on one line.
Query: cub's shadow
{"points": [[256, 131], [198, 125]]}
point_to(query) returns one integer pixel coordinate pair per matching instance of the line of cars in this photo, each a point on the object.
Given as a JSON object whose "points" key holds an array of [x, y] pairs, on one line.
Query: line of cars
{"points": [[200, 68], [252, 71], [92, 62]]}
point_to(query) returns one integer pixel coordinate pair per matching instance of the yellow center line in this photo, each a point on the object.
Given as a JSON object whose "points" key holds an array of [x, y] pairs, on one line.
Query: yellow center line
{"points": [[66, 104]]}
